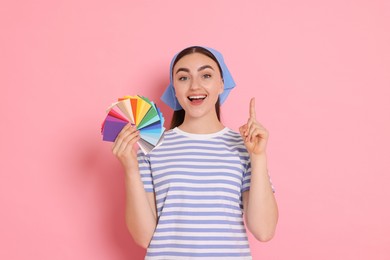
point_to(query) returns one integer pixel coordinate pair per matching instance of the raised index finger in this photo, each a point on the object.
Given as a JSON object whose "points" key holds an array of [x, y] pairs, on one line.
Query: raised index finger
{"points": [[252, 110]]}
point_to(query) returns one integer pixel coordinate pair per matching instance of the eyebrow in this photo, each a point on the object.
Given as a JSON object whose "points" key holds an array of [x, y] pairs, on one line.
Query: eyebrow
{"points": [[205, 67], [200, 69]]}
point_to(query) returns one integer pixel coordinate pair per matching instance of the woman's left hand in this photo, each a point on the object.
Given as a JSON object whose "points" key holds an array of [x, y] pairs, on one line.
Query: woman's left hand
{"points": [[254, 134]]}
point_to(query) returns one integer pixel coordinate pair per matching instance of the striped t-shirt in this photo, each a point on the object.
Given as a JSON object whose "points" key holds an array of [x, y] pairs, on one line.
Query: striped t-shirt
{"points": [[198, 180]]}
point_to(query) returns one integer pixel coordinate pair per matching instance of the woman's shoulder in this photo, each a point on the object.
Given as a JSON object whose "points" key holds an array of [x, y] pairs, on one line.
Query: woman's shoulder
{"points": [[232, 132], [233, 135]]}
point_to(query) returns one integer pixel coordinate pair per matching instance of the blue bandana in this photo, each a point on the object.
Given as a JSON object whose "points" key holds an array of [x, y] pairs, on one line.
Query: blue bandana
{"points": [[169, 96]]}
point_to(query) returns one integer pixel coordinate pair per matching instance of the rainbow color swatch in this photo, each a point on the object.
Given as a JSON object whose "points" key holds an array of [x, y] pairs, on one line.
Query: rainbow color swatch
{"points": [[142, 113]]}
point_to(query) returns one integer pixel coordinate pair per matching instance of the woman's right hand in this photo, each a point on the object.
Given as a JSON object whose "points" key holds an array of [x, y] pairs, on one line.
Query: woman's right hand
{"points": [[124, 148]]}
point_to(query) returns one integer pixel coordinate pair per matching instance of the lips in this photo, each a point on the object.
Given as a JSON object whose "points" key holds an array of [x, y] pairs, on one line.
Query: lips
{"points": [[197, 97]]}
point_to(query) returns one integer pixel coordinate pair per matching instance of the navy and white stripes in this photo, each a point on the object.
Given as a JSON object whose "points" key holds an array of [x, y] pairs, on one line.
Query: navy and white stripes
{"points": [[198, 181]]}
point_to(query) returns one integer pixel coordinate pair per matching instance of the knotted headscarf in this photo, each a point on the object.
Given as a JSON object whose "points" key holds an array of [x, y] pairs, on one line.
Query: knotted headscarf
{"points": [[169, 96]]}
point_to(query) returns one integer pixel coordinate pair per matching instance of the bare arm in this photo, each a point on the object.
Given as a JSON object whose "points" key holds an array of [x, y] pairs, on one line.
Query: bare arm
{"points": [[260, 207], [141, 216]]}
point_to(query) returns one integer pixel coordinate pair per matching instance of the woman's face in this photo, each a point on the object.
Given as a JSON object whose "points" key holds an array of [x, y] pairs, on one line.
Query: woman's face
{"points": [[198, 83]]}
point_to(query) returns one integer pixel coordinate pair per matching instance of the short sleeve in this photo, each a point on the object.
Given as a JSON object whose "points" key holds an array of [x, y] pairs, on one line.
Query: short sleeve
{"points": [[246, 182], [145, 171]]}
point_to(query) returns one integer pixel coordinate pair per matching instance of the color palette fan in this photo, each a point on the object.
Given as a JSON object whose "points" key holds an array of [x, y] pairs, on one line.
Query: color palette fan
{"points": [[142, 113]]}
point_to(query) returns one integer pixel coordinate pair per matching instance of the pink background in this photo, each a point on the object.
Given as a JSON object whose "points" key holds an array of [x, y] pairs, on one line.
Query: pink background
{"points": [[320, 72]]}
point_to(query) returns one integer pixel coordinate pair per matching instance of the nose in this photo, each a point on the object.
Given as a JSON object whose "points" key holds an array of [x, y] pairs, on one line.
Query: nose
{"points": [[195, 84]]}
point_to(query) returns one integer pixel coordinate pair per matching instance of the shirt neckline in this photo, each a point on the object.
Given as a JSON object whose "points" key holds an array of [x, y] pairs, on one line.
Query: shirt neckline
{"points": [[201, 136]]}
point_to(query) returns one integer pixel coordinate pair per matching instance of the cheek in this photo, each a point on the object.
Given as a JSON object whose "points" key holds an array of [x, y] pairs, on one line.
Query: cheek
{"points": [[215, 87], [178, 91]]}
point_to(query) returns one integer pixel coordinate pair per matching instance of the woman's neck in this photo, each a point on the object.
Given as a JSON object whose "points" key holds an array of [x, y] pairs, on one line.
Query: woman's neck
{"points": [[201, 125]]}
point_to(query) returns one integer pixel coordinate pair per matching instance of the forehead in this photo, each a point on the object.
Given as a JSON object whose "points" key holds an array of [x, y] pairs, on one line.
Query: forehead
{"points": [[194, 61]]}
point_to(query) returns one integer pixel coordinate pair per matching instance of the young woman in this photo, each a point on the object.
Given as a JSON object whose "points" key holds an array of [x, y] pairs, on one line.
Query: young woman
{"points": [[188, 198]]}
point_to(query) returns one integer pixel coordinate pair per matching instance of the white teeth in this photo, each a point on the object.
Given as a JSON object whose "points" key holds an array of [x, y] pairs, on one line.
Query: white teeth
{"points": [[197, 97]]}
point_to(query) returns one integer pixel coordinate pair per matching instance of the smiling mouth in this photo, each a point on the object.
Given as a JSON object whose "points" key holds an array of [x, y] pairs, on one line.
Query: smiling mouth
{"points": [[197, 98]]}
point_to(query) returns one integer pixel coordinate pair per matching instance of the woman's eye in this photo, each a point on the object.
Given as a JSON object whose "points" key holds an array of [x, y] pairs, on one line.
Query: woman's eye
{"points": [[206, 76], [183, 78]]}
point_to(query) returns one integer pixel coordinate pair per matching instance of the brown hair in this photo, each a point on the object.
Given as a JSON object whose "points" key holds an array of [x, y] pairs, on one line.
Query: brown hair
{"points": [[178, 116]]}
